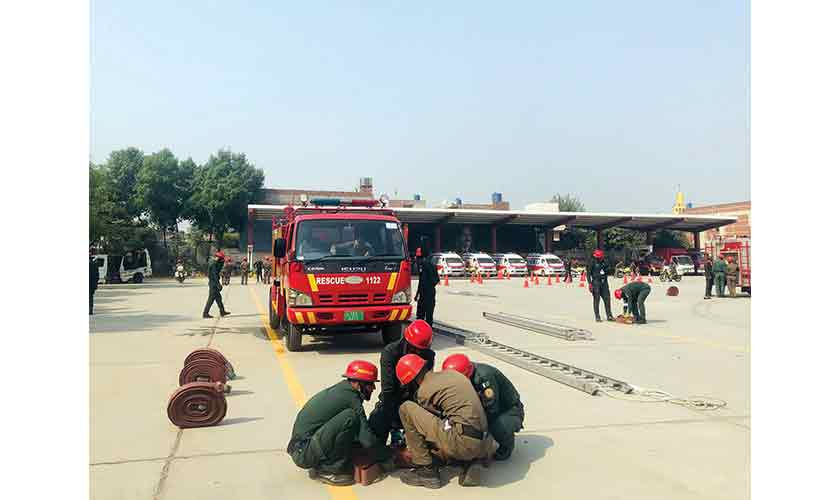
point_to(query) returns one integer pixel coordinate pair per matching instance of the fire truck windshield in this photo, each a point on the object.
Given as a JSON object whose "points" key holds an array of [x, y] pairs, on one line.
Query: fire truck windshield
{"points": [[354, 238]]}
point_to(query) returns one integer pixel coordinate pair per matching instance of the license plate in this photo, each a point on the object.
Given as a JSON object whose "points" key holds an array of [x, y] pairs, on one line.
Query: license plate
{"points": [[354, 315]]}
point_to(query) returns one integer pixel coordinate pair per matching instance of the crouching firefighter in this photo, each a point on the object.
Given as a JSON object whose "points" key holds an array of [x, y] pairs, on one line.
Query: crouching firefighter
{"points": [[634, 296], [332, 422], [504, 410], [384, 418], [445, 415]]}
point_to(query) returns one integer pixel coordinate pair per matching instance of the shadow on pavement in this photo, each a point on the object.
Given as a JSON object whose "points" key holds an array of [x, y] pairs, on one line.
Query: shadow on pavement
{"points": [[113, 323], [346, 343], [235, 392], [529, 448], [238, 420]]}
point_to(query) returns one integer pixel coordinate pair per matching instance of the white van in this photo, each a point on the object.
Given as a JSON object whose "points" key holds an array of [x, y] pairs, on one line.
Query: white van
{"points": [[480, 262], [133, 266], [545, 264], [448, 263], [511, 263]]}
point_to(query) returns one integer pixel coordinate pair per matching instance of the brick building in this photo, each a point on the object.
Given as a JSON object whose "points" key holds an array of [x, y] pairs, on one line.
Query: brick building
{"points": [[741, 228]]}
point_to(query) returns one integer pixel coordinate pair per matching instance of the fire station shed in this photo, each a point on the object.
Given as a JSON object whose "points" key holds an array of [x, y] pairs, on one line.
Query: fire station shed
{"points": [[500, 230]]}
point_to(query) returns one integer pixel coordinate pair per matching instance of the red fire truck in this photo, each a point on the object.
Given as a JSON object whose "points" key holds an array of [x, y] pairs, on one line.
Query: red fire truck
{"points": [[339, 266], [739, 250]]}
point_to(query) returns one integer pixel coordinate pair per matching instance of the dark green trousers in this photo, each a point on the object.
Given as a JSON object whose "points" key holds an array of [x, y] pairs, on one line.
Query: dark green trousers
{"points": [[330, 447], [720, 283], [503, 427]]}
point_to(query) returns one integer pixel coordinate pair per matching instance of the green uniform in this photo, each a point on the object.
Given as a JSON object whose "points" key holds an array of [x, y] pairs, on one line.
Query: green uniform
{"points": [[719, 269], [327, 427], [732, 278], [446, 414], [635, 294], [213, 272], [504, 410]]}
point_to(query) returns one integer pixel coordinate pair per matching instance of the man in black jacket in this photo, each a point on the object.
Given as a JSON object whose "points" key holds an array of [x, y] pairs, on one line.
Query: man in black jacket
{"points": [[709, 275], [214, 271], [596, 275], [417, 339], [93, 278], [425, 296]]}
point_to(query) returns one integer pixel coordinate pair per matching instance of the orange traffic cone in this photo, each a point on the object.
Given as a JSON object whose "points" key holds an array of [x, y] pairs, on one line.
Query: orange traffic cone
{"points": [[446, 280], [525, 283], [625, 279], [480, 279], [536, 280], [499, 274], [472, 278], [650, 280], [582, 280], [639, 279], [508, 275], [549, 281]]}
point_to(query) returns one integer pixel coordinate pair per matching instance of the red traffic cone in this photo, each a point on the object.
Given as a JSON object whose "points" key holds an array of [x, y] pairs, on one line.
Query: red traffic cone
{"points": [[549, 281], [480, 279], [650, 280], [499, 274], [472, 278], [582, 279], [525, 283], [625, 279], [537, 280], [446, 280]]}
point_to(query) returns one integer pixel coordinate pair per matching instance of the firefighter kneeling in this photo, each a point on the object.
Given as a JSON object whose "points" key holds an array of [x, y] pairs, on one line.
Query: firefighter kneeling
{"points": [[331, 422], [446, 415], [504, 410]]}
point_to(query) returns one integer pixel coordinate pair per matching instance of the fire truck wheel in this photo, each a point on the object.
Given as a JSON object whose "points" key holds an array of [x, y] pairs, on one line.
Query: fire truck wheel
{"points": [[137, 278], [293, 338], [392, 332], [273, 317]]}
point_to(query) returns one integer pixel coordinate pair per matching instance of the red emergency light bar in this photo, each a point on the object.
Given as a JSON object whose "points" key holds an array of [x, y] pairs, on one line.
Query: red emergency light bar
{"points": [[337, 202]]}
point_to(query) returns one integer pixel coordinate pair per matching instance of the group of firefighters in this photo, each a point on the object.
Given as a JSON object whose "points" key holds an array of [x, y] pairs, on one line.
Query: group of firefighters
{"points": [[465, 414], [720, 272]]}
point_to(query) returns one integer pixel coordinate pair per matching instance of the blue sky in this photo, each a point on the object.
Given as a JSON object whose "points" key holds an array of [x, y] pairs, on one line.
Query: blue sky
{"points": [[616, 102]]}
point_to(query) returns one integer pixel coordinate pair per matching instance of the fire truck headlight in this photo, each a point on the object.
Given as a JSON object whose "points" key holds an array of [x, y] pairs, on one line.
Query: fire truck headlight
{"points": [[402, 297], [297, 298]]}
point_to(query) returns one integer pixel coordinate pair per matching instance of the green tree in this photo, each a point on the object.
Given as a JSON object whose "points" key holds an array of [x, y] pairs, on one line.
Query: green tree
{"points": [[223, 188], [162, 188], [568, 203], [100, 205], [122, 168]]}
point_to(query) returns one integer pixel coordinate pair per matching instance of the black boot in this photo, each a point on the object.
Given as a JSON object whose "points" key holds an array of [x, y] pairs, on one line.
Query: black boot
{"points": [[597, 319], [224, 313], [206, 316], [333, 478], [422, 475]]}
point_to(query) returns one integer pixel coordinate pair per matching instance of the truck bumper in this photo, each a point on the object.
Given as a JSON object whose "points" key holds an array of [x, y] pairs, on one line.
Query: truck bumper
{"points": [[334, 316]]}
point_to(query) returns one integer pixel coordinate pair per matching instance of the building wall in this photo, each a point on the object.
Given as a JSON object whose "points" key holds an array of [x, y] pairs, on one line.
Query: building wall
{"points": [[741, 228]]}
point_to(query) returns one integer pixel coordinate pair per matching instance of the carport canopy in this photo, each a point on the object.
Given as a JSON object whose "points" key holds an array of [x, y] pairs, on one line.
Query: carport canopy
{"points": [[583, 220]]}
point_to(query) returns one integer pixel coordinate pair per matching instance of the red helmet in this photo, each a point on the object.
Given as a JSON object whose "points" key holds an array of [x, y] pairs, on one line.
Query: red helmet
{"points": [[460, 363], [220, 254], [418, 252], [419, 334], [408, 367], [363, 371], [618, 293], [598, 254]]}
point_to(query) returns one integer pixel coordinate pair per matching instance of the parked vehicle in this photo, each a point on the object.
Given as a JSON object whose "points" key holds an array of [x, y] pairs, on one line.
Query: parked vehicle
{"points": [[651, 265], [134, 266], [739, 250], [479, 262], [682, 257], [683, 263], [545, 264], [668, 274], [180, 273], [511, 263], [622, 270], [449, 263], [340, 266]]}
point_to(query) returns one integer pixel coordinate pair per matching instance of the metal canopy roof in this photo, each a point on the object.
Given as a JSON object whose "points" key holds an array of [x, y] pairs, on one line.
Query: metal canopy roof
{"points": [[583, 220]]}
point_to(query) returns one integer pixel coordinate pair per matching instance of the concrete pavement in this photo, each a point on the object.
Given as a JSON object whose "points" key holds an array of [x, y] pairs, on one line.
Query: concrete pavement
{"points": [[573, 444]]}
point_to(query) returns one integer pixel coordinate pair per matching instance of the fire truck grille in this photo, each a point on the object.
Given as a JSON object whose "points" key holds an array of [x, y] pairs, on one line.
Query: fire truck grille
{"points": [[352, 298], [379, 297]]}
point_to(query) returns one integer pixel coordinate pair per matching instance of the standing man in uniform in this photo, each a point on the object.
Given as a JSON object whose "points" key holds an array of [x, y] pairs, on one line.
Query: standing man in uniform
{"points": [[214, 270], [567, 265], [634, 295], [226, 270], [331, 422], [384, 418], [93, 277], [504, 410], [258, 270], [732, 276], [243, 268], [446, 415], [425, 296], [708, 274], [719, 269], [267, 268], [596, 275]]}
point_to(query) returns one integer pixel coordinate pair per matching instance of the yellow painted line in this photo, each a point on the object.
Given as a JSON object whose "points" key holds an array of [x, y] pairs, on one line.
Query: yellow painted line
{"points": [[393, 315], [404, 314], [392, 281], [299, 317], [312, 283], [311, 317], [295, 389]]}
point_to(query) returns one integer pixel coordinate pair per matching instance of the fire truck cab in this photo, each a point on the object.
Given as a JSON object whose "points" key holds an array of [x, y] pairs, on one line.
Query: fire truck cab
{"points": [[339, 266]]}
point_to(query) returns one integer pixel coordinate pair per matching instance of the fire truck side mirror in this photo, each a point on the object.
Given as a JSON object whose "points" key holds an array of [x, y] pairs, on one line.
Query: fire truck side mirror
{"points": [[279, 248]]}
